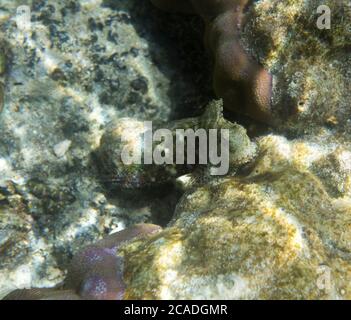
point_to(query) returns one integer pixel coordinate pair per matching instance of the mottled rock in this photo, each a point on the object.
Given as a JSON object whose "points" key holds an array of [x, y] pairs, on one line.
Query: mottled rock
{"points": [[276, 230], [26, 260], [2, 62], [310, 63], [70, 70], [61, 148], [273, 233]]}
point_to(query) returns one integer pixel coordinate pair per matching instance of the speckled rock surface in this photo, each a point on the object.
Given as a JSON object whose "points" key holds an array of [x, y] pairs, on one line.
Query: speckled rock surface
{"points": [[281, 228], [310, 66], [80, 65], [276, 232]]}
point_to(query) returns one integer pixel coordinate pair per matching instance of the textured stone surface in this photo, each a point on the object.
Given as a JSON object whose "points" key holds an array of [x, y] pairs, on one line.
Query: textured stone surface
{"points": [[279, 229], [273, 233], [80, 65], [311, 66]]}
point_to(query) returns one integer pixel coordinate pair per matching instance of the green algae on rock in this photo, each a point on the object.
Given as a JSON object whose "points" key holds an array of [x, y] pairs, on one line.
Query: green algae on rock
{"points": [[2, 63], [80, 65], [302, 64], [20, 250], [273, 233], [311, 66], [276, 230]]}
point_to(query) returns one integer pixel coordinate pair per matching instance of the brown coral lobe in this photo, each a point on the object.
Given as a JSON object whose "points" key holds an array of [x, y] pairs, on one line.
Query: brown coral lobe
{"points": [[244, 85]]}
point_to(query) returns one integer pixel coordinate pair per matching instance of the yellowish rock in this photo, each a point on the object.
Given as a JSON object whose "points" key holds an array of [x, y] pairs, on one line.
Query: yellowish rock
{"points": [[2, 63], [273, 233], [310, 63]]}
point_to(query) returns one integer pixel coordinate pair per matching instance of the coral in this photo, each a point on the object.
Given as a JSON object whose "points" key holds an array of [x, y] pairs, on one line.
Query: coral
{"points": [[243, 84], [133, 131], [273, 63], [311, 66], [94, 273]]}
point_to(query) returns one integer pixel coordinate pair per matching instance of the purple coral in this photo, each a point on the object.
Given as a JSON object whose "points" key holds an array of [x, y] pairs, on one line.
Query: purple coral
{"points": [[95, 273]]}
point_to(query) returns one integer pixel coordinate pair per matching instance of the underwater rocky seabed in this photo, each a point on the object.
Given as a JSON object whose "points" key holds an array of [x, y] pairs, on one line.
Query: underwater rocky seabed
{"points": [[83, 64], [279, 228]]}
